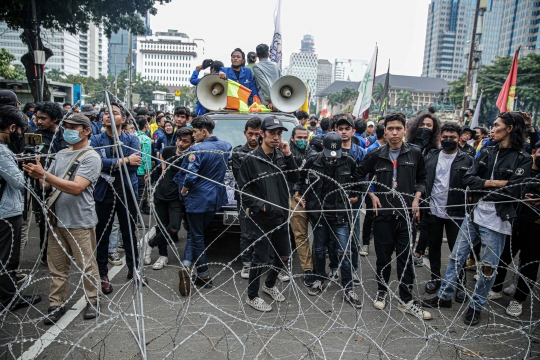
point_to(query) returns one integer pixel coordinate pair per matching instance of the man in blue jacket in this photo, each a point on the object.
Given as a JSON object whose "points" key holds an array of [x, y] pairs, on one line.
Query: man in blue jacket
{"points": [[239, 73], [204, 193], [109, 193]]}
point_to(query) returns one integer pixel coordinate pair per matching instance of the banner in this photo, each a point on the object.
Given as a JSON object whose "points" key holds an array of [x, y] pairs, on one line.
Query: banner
{"points": [[361, 108], [276, 45], [474, 122], [384, 103], [505, 101]]}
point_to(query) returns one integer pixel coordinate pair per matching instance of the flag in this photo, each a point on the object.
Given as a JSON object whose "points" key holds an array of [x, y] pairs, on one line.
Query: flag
{"points": [[474, 122], [305, 107], [505, 101], [324, 111], [275, 48], [361, 108], [237, 96], [384, 104]]}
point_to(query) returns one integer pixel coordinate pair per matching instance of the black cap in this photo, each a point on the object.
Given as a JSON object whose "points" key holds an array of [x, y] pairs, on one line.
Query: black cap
{"points": [[88, 110], [78, 119], [332, 145], [346, 120], [272, 122], [468, 129], [8, 98]]}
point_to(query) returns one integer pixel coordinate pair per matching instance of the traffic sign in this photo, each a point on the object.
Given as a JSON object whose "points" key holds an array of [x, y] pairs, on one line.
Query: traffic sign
{"points": [[177, 93]]}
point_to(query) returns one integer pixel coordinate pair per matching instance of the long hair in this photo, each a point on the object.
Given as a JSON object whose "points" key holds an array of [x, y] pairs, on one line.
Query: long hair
{"points": [[414, 126], [518, 133]]}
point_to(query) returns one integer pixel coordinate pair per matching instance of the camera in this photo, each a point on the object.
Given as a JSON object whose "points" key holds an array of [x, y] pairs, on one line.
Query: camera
{"points": [[33, 143]]}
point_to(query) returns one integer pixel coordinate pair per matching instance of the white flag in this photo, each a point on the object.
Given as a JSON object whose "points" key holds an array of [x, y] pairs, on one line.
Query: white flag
{"points": [[366, 87], [474, 122], [276, 46]]}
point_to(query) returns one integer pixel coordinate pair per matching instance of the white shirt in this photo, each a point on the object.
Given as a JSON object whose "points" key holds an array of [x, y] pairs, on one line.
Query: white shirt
{"points": [[441, 184]]}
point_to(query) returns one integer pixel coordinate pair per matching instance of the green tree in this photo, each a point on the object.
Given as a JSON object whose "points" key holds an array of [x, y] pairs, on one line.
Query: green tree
{"points": [[333, 99], [378, 93], [55, 74], [405, 100], [348, 95], [73, 16], [7, 70]]}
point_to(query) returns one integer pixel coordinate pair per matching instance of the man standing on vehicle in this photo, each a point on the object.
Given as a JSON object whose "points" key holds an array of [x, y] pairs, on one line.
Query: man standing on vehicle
{"points": [[263, 179], [266, 74], [252, 134], [237, 72]]}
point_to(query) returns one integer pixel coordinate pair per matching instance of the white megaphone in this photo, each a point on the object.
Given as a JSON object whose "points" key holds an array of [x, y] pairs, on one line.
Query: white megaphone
{"points": [[212, 92], [288, 93]]}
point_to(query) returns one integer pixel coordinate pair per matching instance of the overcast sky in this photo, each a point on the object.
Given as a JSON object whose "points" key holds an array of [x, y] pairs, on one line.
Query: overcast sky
{"points": [[342, 28]]}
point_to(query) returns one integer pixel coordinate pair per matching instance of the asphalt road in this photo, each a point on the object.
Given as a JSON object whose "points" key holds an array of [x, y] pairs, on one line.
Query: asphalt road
{"points": [[217, 324]]}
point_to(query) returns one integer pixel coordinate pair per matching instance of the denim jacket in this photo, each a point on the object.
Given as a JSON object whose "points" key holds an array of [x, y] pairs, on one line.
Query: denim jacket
{"points": [[11, 203]]}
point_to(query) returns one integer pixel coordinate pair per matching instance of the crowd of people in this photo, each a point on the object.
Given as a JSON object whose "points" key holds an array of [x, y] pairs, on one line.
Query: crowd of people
{"points": [[96, 172]]}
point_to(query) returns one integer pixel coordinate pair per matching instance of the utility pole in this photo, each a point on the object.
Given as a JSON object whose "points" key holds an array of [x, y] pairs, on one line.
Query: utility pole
{"points": [[130, 69], [39, 55], [471, 58]]}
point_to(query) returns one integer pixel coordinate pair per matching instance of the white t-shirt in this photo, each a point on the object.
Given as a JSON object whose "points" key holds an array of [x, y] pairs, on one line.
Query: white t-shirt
{"points": [[441, 184]]}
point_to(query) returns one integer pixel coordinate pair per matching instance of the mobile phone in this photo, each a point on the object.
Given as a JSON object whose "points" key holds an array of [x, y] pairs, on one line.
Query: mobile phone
{"points": [[33, 139]]}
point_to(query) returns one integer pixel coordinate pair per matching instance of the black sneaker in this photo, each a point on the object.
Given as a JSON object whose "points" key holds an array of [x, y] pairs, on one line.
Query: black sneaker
{"points": [[472, 317], [204, 282], [353, 299], [316, 288], [309, 278], [54, 314], [436, 302], [92, 311], [432, 286], [460, 295]]}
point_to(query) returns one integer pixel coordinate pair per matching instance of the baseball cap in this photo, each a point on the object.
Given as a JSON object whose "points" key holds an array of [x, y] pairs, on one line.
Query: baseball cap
{"points": [[8, 98], [370, 123], [332, 145], [78, 119], [347, 120], [271, 123], [88, 110]]}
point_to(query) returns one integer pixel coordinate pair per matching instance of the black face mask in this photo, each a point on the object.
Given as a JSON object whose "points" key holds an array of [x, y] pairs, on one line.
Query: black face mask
{"points": [[448, 144], [15, 144], [537, 161], [313, 123], [476, 137], [422, 137]]}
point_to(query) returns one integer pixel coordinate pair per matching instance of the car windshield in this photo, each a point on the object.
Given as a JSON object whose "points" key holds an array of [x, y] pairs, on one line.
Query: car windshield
{"points": [[232, 130]]}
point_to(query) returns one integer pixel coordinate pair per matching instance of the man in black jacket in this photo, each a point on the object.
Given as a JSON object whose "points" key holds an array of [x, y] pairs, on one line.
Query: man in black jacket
{"points": [[252, 133], [399, 177], [464, 136], [494, 177], [326, 185], [445, 194], [263, 179]]}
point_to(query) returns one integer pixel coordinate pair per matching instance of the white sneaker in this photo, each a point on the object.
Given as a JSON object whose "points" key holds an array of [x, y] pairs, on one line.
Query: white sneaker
{"points": [[274, 293], [492, 295], [244, 274], [353, 299], [514, 308], [147, 253], [364, 250], [160, 263], [414, 308], [334, 275], [510, 290], [380, 301], [282, 276], [114, 259], [259, 304]]}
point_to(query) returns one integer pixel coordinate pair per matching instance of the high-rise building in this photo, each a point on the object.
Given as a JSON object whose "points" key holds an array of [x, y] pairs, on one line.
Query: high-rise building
{"points": [[308, 44], [324, 74], [168, 57], [349, 69], [304, 66], [520, 26], [118, 52], [93, 48]]}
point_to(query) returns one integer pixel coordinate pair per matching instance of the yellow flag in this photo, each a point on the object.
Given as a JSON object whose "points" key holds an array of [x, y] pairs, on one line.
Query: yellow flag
{"points": [[305, 107]]}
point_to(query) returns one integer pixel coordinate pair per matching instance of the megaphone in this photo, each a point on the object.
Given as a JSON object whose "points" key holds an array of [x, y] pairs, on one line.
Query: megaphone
{"points": [[212, 92], [288, 93]]}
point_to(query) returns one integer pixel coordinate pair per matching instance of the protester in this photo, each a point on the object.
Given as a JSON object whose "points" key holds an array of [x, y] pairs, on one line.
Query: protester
{"points": [[66, 106], [481, 135], [12, 122], [160, 137], [465, 135], [237, 72], [73, 174], [145, 145], [265, 200], [252, 59], [303, 118], [497, 169], [399, 168], [29, 111], [424, 131], [204, 194], [214, 66], [266, 74], [252, 134]]}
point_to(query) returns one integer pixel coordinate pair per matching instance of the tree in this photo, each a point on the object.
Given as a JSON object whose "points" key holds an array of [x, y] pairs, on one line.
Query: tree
{"points": [[73, 16], [55, 74], [405, 100], [378, 93], [348, 95], [8, 71], [333, 99]]}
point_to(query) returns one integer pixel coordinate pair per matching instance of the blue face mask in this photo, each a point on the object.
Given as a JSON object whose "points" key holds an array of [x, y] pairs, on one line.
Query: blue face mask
{"points": [[301, 144], [71, 136], [30, 113]]}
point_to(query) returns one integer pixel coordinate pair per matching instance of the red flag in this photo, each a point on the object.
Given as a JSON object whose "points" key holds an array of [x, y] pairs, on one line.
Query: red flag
{"points": [[505, 101]]}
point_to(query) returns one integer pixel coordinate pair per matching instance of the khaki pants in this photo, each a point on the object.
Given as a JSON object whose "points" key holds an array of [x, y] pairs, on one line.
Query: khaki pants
{"points": [[81, 245], [299, 225]]}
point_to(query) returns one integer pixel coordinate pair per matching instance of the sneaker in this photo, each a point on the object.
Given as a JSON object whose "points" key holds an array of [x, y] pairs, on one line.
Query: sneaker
{"points": [[472, 317], [364, 250], [316, 288], [274, 293], [282, 276], [114, 259], [147, 252], [334, 275], [414, 308], [54, 313], [380, 301], [514, 308], [353, 299], [92, 310], [510, 290], [20, 278], [418, 261], [120, 248], [244, 274], [492, 295], [184, 286], [160, 263], [436, 302], [205, 282], [259, 304], [309, 278], [432, 286], [355, 278]]}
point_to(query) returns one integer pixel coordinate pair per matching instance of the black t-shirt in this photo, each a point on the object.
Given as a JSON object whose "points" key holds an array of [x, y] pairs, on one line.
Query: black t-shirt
{"points": [[329, 191], [532, 187], [167, 189], [237, 73], [117, 183]]}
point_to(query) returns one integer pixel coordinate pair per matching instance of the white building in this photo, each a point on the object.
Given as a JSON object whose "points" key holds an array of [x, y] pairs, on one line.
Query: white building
{"points": [[349, 69], [304, 66], [168, 57], [93, 50], [324, 74]]}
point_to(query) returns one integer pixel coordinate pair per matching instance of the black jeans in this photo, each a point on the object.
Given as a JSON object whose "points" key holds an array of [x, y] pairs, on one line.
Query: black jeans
{"points": [[424, 236], [142, 191], [526, 240], [267, 240], [169, 214], [368, 221], [246, 250], [391, 232], [104, 210], [10, 250], [436, 227]]}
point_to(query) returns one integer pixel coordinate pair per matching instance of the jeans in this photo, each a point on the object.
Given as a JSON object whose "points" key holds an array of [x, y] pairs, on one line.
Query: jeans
{"points": [[195, 248], [339, 232], [391, 233], [10, 247], [169, 214], [492, 248], [526, 240], [116, 236], [368, 221], [267, 240], [436, 227], [246, 250]]}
